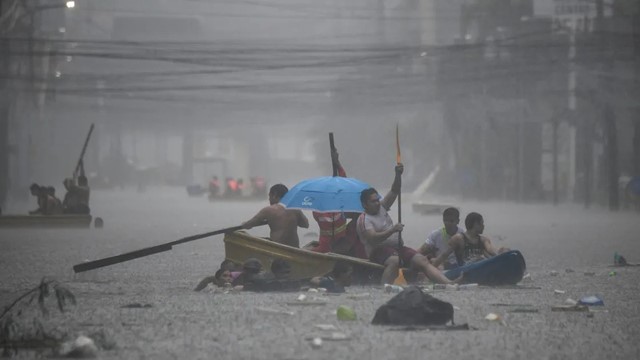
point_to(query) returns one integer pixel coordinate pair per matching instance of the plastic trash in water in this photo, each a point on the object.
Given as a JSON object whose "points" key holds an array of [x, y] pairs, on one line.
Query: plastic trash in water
{"points": [[570, 301], [393, 289], [613, 273], [345, 313], [553, 273], [400, 280], [559, 291], [81, 347], [492, 317], [591, 301], [316, 342], [302, 297]]}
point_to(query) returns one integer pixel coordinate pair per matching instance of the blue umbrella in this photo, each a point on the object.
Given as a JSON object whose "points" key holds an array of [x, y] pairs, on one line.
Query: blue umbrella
{"points": [[326, 194]]}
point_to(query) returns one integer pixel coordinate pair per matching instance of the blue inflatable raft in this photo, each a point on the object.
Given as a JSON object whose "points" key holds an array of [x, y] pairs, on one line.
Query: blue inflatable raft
{"points": [[505, 269]]}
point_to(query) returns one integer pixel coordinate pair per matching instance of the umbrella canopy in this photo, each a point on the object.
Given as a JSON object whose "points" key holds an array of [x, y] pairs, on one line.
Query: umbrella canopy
{"points": [[326, 194]]}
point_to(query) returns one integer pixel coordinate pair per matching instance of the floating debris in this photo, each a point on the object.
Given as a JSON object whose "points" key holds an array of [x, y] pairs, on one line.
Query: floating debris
{"points": [[434, 328], [306, 303], [591, 301], [326, 327], [136, 306], [515, 305], [524, 310], [570, 308], [345, 313], [82, 347], [316, 342], [274, 311]]}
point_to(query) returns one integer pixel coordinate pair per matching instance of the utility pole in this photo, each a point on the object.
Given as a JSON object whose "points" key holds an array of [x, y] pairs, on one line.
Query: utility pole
{"points": [[555, 124], [608, 115], [5, 66]]}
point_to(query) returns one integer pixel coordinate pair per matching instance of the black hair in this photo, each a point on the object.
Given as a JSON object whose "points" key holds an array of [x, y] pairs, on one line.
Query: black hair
{"points": [[340, 267], [219, 273], [280, 266], [366, 194], [472, 219], [34, 187], [227, 265], [252, 265], [51, 190], [451, 212], [278, 190]]}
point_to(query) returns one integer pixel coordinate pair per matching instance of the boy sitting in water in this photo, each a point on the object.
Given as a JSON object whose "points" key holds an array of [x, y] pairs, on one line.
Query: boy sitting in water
{"points": [[226, 271], [337, 280]]}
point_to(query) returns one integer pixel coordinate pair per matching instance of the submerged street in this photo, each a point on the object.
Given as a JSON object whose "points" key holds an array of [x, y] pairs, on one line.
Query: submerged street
{"points": [[560, 244]]}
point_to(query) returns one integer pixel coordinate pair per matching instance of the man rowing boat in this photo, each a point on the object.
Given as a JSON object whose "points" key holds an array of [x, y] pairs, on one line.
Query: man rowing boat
{"points": [[381, 239], [282, 222]]}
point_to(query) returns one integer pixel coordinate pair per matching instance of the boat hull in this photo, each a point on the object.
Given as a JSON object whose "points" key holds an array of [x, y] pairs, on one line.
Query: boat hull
{"points": [[505, 269], [239, 246], [45, 221]]}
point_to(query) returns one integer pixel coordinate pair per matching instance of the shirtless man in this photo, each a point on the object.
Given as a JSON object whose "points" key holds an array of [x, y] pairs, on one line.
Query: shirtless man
{"points": [[46, 203], [282, 222], [470, 246]]}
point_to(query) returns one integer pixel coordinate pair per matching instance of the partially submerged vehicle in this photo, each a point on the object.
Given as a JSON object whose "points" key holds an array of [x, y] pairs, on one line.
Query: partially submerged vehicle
{"points": [[47, 221]]}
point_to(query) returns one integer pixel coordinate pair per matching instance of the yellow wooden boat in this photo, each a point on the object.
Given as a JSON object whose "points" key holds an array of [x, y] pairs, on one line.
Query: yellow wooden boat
{"points": [[239, 246], [45, 221]]}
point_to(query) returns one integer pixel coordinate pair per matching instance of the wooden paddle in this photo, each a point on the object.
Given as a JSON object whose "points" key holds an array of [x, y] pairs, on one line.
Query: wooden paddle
{"points": [[398, 162], [332, 147], [400, 280], [84, 149], [149, 250]]}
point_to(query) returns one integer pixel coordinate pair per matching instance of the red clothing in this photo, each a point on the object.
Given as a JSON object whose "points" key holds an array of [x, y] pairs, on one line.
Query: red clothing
{"points": [[333, 227], [232, 184]]}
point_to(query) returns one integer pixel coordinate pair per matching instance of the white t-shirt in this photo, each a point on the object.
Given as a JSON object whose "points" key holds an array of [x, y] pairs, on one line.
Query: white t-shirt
{"points": [[440, 240], [378, 223]]}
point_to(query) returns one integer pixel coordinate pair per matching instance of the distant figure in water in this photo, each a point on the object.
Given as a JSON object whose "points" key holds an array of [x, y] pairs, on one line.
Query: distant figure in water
{"points": [[46, 203], [56, 204], [470, 246], [282, 222], [76, 200], [214, 187]]}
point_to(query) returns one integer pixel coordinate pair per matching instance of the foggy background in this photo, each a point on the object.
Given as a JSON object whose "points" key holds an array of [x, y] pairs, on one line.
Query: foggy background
{"points": [[521, 100]]}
